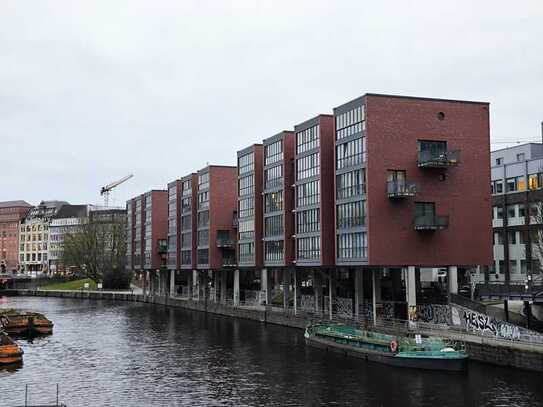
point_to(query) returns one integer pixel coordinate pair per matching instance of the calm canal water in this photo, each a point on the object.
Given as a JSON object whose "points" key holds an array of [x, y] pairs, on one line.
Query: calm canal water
{"points": [[125, 354]]}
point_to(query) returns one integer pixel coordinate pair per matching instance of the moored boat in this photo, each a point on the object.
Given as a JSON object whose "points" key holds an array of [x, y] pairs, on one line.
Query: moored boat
{"points": [[10, 352], [25, 323], [418, 353]]}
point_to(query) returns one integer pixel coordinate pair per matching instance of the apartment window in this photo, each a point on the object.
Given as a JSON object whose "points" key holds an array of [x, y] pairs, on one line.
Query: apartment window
{"points": [[521, 210], [273, 226], [308, 194], [308, 221], [308, 166], [203, 256], [273, 250], [246, 229], [309, 248], [186, 222], [273, 202], [511, 213], [512, 237], [203, 200], [523, 268], [246, 163], [533, 181], [522, 237], [246, 252], [520, 157], [186, 203], [203, 181], [203, 238], [511, 184], [307, 139], [352, 245], [501, 264], [186, 188], [350, 122], [521, 183], [498, 187], [186, 257], [349, 154], [246, 207], [203, 219], [273, 177], [351, 184], [246, 185], [351, 214], [186, 240], [513, 267], [499, 212], [274, 152], [534, 209], [498, 238], [431, 149], [499, 161]]}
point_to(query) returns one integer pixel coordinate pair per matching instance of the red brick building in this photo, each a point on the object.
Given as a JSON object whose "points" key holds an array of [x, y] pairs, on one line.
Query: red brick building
{"points": [[11, 213], [412, 178], [147, 227]]}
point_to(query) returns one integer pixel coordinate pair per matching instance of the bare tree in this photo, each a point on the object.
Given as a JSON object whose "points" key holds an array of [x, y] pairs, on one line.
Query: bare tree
{"points": [[98, 250]]}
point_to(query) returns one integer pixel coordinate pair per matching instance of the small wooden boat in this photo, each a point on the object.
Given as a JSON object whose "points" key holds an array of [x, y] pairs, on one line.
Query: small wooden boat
{"points": [[10, 352], [418, 353], [25, 323]]}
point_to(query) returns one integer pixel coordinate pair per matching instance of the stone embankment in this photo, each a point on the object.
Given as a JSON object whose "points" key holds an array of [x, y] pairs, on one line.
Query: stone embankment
{"points": [[484, 349]]}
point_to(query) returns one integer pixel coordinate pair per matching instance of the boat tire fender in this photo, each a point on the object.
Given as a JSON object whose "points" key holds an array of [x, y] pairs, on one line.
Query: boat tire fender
{"points": [[4, 321], [394, 346]]}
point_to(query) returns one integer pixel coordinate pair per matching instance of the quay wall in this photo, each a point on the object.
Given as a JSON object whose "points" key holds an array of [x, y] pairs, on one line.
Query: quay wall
{"points": [[483, 349]]}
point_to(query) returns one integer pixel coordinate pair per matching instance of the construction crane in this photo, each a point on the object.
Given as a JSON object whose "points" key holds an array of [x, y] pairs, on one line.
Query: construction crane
{"points": [[107, 189]]}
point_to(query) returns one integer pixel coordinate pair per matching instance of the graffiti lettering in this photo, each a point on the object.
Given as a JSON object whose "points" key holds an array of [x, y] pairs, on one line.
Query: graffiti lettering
{"points": [[433, 313], [480, 323]]}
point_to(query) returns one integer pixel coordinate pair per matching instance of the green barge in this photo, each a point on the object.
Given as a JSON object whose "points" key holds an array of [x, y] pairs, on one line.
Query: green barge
{"points": [[417, 352]]}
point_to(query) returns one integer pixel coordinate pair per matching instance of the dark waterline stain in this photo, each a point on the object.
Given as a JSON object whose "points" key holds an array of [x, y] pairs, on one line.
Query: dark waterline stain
{"points": [[126, 354]]}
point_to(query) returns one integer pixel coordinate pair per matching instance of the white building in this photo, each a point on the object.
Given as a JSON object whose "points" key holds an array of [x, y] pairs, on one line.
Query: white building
{"points": [[34, 236]]}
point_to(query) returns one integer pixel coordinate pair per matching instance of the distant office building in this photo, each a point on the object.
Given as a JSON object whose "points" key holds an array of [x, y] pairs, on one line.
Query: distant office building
{"points": [[517, 195], [11, 214], [67, 221]]}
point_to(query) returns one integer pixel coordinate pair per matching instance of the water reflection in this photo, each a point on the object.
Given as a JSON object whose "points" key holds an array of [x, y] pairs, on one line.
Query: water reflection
{"points": [[125, 354]]}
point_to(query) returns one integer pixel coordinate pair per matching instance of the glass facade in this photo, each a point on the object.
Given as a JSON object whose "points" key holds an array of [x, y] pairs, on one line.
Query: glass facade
{"points": [[351, 158]]}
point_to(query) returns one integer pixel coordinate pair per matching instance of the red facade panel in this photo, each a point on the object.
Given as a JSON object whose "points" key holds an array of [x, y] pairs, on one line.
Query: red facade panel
{"points": [[159, 221], [394, 125], [223, 202]]}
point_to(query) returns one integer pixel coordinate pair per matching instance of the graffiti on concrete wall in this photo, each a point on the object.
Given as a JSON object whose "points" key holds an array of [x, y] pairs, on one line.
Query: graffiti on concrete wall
{"points": [[433, 313], [485, 325]]}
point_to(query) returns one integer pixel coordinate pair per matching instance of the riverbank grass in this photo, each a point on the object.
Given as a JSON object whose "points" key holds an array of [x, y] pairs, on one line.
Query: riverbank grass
{"points": [[70, 285]]}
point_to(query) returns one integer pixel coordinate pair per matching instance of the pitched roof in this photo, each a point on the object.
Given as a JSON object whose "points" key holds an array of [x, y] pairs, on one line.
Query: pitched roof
{"points": [[13, 204]]}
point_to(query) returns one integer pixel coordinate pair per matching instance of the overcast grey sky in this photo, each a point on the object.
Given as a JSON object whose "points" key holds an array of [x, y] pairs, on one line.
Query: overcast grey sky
{"points": [[93, 90]]}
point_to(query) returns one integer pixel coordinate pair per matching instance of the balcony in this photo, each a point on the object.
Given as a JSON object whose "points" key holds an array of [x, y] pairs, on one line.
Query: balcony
{"points": [[431, 222], [401, 189], [438, 159], [224, 241], [229, 260], [162, 246]]}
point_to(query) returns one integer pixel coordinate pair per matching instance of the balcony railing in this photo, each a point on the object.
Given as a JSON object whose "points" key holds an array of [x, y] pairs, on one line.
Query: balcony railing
{"points": [[401, 189], [225, 242], [162, 246], [432, 159], [229, 261], [431, 222]]}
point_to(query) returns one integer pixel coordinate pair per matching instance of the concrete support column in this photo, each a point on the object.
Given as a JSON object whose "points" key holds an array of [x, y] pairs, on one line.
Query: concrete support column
{"points": [[189, 282], [286, 287], [396, 276], [266, 285], [376, 292], [223, 283], [358, 292], [453, 279], [297, 290], [196, 284], [411, 294], [236, 288], [331, 292], [144, 283], [317, 289]]}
